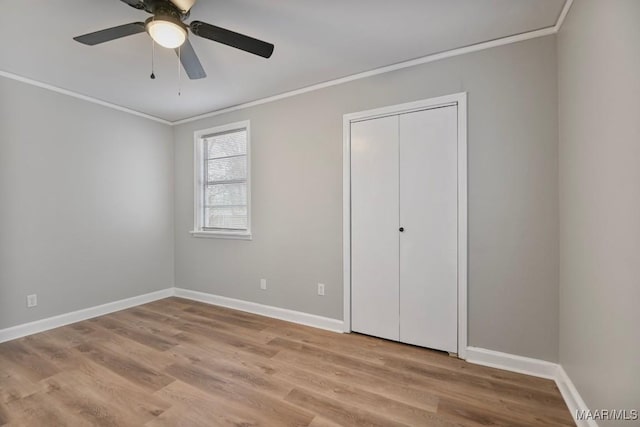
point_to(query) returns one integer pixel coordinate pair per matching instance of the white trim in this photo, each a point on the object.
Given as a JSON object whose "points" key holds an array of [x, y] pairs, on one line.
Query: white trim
{"points": [[221, 235], [198, 179], [408, 107], [307, 319], [459, 99], [79, 315], [572, 398], [563, 15], [462, 227], [511, 362], [346, 224], [82, 97]]}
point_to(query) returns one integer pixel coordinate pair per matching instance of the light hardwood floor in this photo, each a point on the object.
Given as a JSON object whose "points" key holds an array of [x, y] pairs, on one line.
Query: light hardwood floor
{"points": [[181, 363]]}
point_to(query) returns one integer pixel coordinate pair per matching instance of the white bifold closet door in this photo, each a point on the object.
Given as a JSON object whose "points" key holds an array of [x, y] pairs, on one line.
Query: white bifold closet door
{"points": [[429, 215], [404, 177], [375, 246]]}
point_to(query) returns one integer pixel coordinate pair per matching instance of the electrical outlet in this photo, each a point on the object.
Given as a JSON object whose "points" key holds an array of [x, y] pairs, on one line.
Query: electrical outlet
{"points": [[263, 284], [321, 289], [32, 300]]}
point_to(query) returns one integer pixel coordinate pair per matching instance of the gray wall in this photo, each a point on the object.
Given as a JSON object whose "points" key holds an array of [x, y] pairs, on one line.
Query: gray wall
{"points": [[86, 207], [599, 107], [297, 195]]}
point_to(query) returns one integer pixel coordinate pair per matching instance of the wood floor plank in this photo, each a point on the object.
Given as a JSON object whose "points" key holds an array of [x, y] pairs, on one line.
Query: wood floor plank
{"points": [[238, 341], [88, 406], [362, 398], [418, 397], [196, 349], [135, 371], [191, 320], [180, 362], [71, 335], [444, 361], [41, 409], [337, 411], [390, 353], [466, 379], [226, 318], [15, 386], [319, 421], [463, 386], [140, 352], [465, 412], [204, 408], [273, 411], [182, 318], [164, 330], [134, 332], [4, 414], [18, 357], [246, 369], [179, 417], [104, 399]]}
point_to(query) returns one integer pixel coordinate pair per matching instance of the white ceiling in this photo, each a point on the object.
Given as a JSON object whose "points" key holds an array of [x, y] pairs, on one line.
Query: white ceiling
{"points": [[315, 41]]}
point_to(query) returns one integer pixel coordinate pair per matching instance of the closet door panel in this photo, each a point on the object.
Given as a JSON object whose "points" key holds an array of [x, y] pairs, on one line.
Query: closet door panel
{"points": [[374, 227], [428, 213]]}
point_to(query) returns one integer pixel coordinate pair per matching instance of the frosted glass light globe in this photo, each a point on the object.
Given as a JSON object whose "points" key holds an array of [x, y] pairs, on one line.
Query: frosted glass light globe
{"points": [[166, 33]]}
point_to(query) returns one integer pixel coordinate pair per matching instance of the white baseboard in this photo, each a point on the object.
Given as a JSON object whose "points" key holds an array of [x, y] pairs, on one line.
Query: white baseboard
{"points": [[572, 398], [479, 356], [307, 319], [42, 325], [536, 368], [511, 362]]}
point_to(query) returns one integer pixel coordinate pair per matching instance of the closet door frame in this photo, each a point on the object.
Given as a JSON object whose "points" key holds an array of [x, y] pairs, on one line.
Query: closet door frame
{"points": [[459, 100]]}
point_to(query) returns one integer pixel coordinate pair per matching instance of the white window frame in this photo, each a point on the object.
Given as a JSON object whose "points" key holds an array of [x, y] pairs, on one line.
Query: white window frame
{"points": [[199, 179]]}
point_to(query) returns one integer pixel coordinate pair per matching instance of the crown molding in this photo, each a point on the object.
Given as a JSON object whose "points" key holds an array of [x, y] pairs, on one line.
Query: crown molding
{"points": [[563, 15], [81, 96], [386, 69]]}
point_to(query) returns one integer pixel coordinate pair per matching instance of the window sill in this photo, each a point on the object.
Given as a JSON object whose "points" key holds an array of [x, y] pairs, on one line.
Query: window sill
{"points": [[237, 235]]}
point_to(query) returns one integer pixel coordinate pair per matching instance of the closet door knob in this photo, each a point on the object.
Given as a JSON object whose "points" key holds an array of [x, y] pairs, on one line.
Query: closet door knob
{"points": [[401, 229]]}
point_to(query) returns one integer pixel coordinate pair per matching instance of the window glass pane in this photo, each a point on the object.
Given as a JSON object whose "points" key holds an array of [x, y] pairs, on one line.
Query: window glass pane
{"points": [[227, 144], [227, 169], [225, 160], [226, 194], [234, 218]]}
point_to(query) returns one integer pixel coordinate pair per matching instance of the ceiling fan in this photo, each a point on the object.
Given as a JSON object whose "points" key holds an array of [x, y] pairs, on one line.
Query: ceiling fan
{"points": [[167, 28]]}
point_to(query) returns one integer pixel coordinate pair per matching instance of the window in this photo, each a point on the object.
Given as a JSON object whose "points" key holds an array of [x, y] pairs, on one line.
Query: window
{"points": [[222, 183]]}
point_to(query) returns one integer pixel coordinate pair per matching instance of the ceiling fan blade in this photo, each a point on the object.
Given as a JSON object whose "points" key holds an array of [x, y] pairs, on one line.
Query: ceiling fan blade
{"points": [[183, 5], [111, 33], [231, 38], [138, 4], [190, 61]]}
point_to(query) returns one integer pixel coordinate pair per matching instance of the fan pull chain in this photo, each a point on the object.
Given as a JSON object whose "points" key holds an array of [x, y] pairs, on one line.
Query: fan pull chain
{"points": [[153, 54], [179, 70]]}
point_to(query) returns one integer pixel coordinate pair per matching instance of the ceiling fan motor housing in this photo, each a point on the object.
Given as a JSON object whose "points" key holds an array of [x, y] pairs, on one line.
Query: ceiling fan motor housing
{"points": [[162, 8], [167, 18]]}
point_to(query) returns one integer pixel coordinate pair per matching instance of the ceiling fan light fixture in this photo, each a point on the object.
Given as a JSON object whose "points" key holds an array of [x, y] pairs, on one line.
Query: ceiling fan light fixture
{"points": [[167, 32]]}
